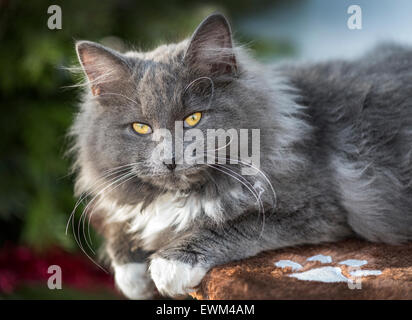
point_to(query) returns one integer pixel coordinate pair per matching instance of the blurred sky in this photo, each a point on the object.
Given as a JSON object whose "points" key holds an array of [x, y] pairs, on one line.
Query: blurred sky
{"points": [[317, 29]]}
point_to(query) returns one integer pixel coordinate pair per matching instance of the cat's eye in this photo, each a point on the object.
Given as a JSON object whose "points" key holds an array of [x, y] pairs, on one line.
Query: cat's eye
{"points": [[141, 128], [193, 119]]}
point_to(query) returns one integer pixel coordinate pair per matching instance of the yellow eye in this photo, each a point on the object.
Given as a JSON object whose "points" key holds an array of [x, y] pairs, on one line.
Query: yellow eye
{"points": [[141, 128], [193, 119]]}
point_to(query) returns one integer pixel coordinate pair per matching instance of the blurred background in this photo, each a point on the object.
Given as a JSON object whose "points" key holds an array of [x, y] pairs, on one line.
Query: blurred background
{"points": [[37, 105]]}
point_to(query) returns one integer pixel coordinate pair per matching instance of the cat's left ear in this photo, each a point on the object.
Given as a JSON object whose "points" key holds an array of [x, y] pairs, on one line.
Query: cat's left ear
{"points": [[104, 68], [210, 49]]}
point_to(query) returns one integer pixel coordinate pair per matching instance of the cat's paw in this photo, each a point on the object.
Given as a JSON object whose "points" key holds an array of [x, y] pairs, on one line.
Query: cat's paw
{"points": [[173, 277], [133, 281]]}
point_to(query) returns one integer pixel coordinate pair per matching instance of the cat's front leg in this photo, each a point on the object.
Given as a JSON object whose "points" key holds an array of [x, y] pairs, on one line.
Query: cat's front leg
{"points": [[175, 277], [130, 265], [133, 281], [179, 267]]}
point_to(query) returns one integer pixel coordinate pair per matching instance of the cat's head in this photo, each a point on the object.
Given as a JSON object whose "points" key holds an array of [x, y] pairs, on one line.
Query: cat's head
{"points": [[131, 97]]}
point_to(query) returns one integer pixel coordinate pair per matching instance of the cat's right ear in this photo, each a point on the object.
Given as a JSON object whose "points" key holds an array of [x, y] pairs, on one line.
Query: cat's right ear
{"points": [[210, 49], [103, 67]]}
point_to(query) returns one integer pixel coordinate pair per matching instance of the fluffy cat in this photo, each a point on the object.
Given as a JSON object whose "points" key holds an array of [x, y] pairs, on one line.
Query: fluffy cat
{"points": [[335, 146]]}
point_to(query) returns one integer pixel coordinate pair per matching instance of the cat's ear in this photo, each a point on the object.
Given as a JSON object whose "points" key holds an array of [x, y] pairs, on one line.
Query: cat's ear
{"points": [[210, 49], [103, 67]]}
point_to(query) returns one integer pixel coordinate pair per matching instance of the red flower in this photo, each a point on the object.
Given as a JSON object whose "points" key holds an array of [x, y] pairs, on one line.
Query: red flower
{"points": [[21, 265]]}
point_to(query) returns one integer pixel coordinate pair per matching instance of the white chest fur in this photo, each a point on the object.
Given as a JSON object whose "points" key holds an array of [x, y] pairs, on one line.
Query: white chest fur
{"points": [[167, 212]]}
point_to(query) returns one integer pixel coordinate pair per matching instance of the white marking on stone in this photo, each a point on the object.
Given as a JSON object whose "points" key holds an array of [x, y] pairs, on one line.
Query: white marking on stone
{"points": [[323, 274], [321, 258], [354, 262], [365, 273], [288, 263]]}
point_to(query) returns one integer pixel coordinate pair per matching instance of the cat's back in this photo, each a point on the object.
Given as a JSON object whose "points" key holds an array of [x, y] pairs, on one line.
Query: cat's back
{"points": [[361, 112], [359, 103], [382, 76]]}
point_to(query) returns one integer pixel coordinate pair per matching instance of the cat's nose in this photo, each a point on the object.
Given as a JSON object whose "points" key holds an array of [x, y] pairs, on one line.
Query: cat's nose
{"points": [[171, 166]]}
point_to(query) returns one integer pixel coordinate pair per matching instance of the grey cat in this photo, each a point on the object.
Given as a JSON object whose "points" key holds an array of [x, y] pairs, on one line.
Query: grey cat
{"points": [[335, 145]]}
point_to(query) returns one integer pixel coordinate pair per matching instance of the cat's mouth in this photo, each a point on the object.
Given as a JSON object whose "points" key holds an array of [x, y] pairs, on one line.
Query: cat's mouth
{"points": [[180, 179]]}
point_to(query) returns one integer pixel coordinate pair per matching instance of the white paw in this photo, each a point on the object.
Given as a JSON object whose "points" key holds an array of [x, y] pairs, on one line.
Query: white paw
{"points": [[133, 281], [174, 277]]}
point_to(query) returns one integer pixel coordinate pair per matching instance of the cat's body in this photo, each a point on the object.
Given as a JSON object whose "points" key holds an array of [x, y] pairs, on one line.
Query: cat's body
{"points": [[335, 144], [361, 112]]}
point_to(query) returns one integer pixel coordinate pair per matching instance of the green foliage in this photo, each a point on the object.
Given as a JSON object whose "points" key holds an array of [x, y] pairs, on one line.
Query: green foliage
{"points": [[37, 108]]}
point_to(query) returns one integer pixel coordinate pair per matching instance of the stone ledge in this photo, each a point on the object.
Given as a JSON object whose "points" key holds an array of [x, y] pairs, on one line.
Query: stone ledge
{"points": [[259, 278]]}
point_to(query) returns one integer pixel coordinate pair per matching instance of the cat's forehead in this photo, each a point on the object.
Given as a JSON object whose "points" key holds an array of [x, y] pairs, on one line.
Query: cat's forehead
{"points": [[159, 79], [158, 74], [159, 85], [168, 53]]}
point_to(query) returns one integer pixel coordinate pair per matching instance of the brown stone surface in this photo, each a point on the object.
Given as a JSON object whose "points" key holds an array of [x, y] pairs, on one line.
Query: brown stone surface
{"points": [[259, 278]]}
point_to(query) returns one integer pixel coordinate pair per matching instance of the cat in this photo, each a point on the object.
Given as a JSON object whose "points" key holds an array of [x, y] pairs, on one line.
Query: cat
{"points": [[335, 155]]}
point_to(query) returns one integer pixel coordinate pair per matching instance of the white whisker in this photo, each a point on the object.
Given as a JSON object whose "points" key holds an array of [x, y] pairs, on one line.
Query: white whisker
{"points": [[84, 195], [255, 193], [129, 177], [93, 199]]}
